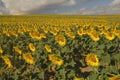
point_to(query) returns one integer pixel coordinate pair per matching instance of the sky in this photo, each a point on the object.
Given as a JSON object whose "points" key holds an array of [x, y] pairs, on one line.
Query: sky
{"points": [[76, 7]]}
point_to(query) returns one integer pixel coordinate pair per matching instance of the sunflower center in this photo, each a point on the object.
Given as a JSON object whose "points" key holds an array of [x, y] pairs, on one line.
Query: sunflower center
{"points": [[93, 59]]}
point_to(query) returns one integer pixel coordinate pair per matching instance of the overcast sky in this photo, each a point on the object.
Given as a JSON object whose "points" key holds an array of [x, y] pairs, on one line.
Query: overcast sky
{"points": [[82, 7]]}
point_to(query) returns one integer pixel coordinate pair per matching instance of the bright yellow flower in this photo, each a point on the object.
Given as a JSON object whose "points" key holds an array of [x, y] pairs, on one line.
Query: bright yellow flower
{"points": [[114, 78], [92, 60], [61, 40], [70, 34], [45, 30], [53, 31], [47, 47], [28, 58], [1, 51], [21, 31], [80, 32], [35, 35], [14, 33], [109, 36], [117, 33], [17, 50], [94, 36], [56, 60], [43, 35], [31, 47], [78, 78], [7, 61]]}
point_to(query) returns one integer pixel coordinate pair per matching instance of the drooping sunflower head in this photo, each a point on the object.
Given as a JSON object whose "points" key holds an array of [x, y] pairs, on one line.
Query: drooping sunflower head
{"points": [[31, 47], [47, 47], [28, 58], [114, 78], [17, 50], [1, 50], [7, 61], [92, 60], [55, 59]]}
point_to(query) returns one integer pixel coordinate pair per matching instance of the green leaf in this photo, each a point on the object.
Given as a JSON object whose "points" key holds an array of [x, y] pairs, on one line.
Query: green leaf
{"points": [[41, 75], [105, 59], [93, 76], [113, 69], [116, 56]]}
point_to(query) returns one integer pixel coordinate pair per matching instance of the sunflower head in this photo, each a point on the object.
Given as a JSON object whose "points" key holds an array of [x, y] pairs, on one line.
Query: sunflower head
{"points": [[47, 47], [92, 60], [31, 47], [17, 50], [55, 59], [1, 50], [7, 61], [114, 78], [61, 40], [28, 58]]}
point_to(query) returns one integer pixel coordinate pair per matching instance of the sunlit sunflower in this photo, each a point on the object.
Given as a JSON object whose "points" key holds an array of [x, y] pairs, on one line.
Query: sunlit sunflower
{"points": [[70, 34], [43, 35], [80, 32], [76, 78], [17, 50], [7, 61], [56, 60], [117, 33], [28, 58], [47, 47], [14, 33], [35, 35], [115, 78], [94, 37], [1, 50], [31, 47], [45, 30], [109, 36], [61, 40], [92, 60], [20, 31], [53, 31]]}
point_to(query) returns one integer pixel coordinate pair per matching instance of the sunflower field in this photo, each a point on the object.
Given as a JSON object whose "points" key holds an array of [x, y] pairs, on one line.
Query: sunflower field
{"points": [[59, 47]]}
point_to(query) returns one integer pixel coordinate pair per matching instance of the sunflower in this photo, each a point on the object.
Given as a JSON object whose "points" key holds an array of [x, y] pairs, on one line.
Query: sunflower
{"points": [[17, 50], [76, 78], [94, 36], [43, 35], [53, 31], [20, 31], [117, 33], [28, 58], [31, 47], [114, 78], [109, 36], [80, 32], [47, 47], [70, 34], [1, 51], [92, 60], [61, 40], [7, 61], [14, 33], [35, 35], [56, 60]]}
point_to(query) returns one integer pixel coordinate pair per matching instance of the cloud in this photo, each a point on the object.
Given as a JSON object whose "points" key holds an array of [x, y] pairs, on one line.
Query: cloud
{"points": [[115, 2], [112, 8], [3, 9], [22, 6], [69, 3]]}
